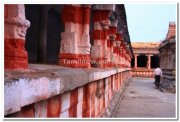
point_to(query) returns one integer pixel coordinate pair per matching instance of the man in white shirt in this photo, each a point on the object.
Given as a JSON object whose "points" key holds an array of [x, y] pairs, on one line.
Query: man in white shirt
{"points": [[158, 74]]}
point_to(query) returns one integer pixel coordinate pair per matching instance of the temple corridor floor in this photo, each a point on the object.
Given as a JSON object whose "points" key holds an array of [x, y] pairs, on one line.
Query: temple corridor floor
{"points": [[142, 99]]}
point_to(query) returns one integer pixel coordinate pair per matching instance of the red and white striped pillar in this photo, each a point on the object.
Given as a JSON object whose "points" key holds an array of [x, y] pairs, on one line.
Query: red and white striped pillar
{"points": [[127, 55], [113, 30], [16, 56], [121, 53], [118, 43], [99, 52], [75, 41], [129, 59]]}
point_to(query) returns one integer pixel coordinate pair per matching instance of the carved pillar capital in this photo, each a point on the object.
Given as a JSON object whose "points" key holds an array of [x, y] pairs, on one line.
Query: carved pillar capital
{"points": [[15, 21]]}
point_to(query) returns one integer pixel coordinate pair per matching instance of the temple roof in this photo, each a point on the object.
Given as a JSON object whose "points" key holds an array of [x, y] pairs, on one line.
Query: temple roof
{"points": [[145, 44]]}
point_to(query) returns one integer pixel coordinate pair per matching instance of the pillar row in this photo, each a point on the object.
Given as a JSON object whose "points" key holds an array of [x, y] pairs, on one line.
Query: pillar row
{"points": [[14, 38], [75, 41], [99, 51]]}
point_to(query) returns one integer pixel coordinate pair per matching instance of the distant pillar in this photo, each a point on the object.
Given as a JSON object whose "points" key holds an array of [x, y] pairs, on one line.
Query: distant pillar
{"points": [[149, 62], [14, 37], [135, 61]]}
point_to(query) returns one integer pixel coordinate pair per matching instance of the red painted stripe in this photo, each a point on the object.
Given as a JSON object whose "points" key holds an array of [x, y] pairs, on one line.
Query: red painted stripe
{"points": [[76, 14], [54, 106], [99, 35], [100, 15], [26, 111], [112, 30], [73, 103], [15, 54]]}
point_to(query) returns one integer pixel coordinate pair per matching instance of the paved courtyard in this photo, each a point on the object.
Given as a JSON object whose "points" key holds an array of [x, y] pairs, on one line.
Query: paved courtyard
{"points": [[142, 99]]}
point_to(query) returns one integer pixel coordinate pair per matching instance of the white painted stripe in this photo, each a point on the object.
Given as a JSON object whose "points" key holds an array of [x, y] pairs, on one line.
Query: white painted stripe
{"points": [[96, 105], [79, 109], [65, 101], [97, 26], [80, 93], [12, 97], [64, 114], [41, 109]]}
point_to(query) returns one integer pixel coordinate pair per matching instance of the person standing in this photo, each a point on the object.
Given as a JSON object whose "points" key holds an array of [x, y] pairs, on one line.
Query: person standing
{"points": [[158, 75]]}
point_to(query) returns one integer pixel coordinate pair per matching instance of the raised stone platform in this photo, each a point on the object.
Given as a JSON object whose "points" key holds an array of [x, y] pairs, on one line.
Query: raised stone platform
{"points": [[142, 72], [41, 82]]}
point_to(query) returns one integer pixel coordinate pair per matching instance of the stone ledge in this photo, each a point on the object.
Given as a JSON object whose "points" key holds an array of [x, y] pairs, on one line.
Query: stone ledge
{"points": [[44, 81]]}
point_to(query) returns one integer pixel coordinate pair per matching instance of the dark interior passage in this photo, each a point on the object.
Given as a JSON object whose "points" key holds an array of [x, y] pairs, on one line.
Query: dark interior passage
{"points": [[142, 61], [132, 62], [44, 35], [154, 61], [32, 36], [54, 29]]}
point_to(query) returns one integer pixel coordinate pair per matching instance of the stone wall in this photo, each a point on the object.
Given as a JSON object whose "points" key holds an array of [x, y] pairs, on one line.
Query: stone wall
{"points": [[167, 64], [167, 51]]}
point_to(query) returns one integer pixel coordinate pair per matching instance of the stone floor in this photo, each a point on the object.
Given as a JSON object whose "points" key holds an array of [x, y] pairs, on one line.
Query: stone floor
{"points": [[142, 99]]}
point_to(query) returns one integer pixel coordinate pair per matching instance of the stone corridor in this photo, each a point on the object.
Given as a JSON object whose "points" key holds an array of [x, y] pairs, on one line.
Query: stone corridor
{"points": [[142, 99], [77, 61]]}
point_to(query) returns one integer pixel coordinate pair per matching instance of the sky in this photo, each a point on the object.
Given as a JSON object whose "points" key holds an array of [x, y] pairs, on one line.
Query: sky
{"points": [[149, 22]]}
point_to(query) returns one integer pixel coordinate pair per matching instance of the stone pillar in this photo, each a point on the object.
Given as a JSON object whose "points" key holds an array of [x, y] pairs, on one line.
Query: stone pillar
{"points": [[129, 58], [123, 56], [122, 53], [118, 43], [14, 37], [113, 30], [75, 41], [99, 53], [108, 52], [120, 49], [135, 61], [149, 62]]}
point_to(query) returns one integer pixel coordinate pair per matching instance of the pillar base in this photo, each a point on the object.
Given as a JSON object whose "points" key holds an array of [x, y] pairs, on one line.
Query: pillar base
{"points": [[15, 54], [74, 60]]}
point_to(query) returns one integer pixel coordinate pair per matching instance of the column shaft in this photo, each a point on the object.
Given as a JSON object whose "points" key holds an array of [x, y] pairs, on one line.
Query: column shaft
{"points": [[14, 38], [149, 62], [75, 41], [135, 61]]}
